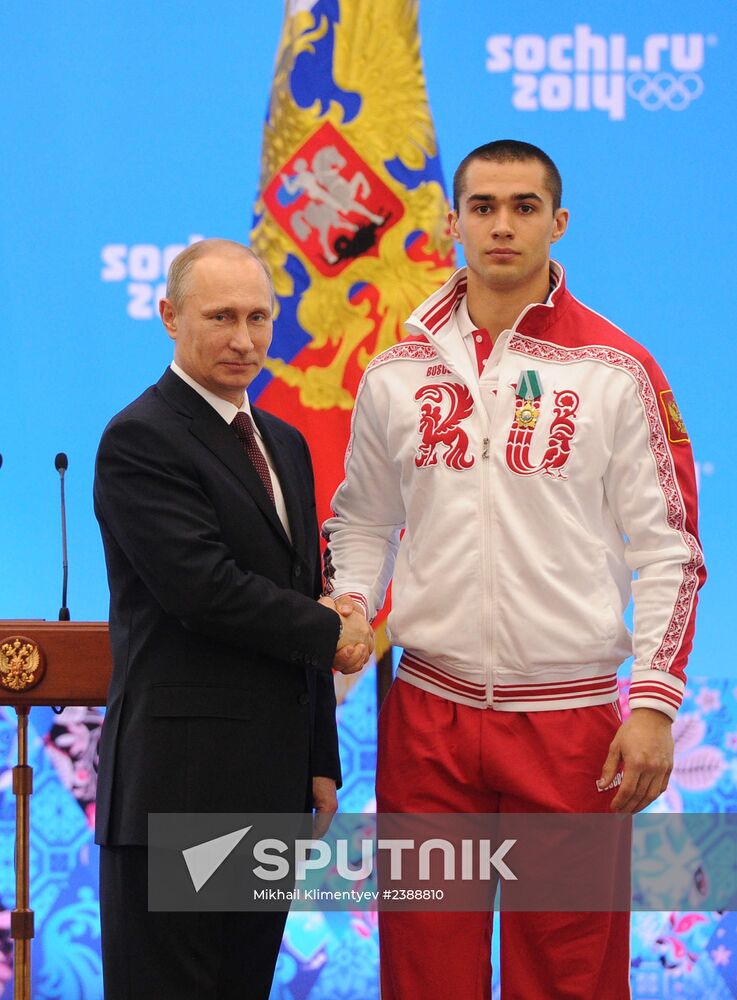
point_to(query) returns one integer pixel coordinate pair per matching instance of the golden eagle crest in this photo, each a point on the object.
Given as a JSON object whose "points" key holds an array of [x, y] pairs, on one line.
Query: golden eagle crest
{"points": [[20, 664], [351, 214]]}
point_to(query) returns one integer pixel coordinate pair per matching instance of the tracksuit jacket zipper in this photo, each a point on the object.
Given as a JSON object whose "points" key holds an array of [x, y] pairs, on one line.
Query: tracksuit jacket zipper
{"points": [[487, 513]]}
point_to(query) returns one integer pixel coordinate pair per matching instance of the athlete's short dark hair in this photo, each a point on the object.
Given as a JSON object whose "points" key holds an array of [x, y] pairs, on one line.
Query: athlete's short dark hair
{"points": [[507, 151]]}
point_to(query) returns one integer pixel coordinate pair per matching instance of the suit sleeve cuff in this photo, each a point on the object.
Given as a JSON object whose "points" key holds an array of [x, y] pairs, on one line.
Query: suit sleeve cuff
{"points": [[328, 769], [656, 689]]}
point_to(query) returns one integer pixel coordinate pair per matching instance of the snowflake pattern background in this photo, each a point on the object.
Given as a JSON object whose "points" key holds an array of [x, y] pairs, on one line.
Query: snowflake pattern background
{"points": [[334, 956]]}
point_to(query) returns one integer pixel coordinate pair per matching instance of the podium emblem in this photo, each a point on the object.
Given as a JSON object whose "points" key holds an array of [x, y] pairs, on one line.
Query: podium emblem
{"points": [[21, 663]]}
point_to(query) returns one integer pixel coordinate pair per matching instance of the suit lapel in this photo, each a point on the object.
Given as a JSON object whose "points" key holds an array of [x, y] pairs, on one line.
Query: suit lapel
{"points": [[210, 428]]}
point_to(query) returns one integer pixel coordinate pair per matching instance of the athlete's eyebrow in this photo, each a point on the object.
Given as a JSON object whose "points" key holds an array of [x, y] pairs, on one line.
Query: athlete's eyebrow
{"points": [[528, 196]]}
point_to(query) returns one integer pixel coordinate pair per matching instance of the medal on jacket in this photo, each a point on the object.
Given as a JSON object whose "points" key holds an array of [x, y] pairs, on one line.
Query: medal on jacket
{"points": [[527, 403], [562, 428]]}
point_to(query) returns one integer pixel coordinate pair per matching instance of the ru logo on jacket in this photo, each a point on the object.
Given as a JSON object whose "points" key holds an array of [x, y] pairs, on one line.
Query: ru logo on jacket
{"points": [[528, 393]]}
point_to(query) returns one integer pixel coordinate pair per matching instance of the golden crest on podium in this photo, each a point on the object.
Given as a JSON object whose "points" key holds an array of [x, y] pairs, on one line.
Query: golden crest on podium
{"points": [[21, 663]]}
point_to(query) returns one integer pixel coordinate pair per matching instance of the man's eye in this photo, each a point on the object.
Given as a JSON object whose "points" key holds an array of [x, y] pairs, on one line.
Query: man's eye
{"points": [[483, 209], [526, 209]]}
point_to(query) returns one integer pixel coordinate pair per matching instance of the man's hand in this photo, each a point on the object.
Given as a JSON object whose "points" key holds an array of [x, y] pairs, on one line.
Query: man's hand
{"points": [[644, 745], [325, 804], [351, 656], [356, 642]]}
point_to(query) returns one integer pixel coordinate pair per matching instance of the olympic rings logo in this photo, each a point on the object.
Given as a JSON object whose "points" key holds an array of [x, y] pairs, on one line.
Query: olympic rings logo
{"points": [[665, 90]]}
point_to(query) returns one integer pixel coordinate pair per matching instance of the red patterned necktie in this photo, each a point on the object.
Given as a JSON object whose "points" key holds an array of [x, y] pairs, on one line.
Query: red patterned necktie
{"points": [[243, 427]]}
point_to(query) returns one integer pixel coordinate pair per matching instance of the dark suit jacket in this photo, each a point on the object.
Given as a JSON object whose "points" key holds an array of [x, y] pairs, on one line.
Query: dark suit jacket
{"points": [[221, 698]]}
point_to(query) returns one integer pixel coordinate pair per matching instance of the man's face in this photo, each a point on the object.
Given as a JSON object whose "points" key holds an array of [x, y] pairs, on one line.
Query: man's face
{"points": [[505, 223], [223, 327]]}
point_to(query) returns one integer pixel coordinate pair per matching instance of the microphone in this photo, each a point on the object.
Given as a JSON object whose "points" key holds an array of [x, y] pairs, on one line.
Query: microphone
{"points": [[61, 462]]}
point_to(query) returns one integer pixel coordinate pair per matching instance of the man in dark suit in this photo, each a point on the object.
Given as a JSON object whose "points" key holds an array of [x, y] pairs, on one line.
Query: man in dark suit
{"points": [[222, 697]]}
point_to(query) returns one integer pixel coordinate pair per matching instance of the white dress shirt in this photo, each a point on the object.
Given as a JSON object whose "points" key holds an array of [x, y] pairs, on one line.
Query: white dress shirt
{"points": [[228, 411]]}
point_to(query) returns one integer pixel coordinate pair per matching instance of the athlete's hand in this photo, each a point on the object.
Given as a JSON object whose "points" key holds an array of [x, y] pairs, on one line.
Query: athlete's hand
{"points": [[643, 746], [356, 642]]}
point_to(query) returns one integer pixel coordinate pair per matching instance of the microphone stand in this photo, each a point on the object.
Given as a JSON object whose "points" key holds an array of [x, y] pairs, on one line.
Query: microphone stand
{"points": [[62, 464]]}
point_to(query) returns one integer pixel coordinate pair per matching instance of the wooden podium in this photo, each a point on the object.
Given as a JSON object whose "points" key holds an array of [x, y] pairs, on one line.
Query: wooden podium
{"points": [[43, 663]]}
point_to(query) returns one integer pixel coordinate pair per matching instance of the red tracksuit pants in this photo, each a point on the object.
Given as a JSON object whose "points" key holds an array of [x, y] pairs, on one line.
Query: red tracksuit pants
{"points": [[438, 756]]}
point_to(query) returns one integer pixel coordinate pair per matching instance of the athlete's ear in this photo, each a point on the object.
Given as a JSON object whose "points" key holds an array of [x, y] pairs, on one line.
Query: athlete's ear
{"points": [[560, 224], [453, 226]]}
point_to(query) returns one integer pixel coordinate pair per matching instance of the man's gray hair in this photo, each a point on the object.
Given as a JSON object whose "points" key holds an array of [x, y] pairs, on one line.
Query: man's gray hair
{"points": [[179, 269]]}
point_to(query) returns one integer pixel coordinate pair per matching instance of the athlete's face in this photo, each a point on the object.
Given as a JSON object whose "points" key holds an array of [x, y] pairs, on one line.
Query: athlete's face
{"points": [[506, 224]]}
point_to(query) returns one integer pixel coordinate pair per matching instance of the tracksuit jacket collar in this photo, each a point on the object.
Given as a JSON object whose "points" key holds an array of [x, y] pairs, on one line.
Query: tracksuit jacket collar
{"points": [[435, 314]]}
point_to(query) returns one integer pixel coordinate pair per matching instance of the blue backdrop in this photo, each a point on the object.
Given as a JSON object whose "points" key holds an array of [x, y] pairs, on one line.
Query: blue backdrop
{"points": [[132, 128]]}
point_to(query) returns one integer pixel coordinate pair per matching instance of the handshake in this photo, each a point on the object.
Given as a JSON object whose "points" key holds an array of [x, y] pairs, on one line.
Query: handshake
{"points": [[356, 642]]}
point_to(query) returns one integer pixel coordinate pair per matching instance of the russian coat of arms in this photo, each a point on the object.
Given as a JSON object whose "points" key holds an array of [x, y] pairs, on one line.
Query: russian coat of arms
{"points": [[21, 663], [330, 203]]}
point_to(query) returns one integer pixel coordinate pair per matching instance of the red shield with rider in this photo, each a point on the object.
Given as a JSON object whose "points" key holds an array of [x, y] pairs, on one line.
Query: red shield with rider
{"points": [[331, 203]]}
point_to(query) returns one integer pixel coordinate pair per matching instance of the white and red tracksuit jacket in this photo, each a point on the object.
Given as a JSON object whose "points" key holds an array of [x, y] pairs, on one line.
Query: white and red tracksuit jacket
{"points": [[524, 521]]}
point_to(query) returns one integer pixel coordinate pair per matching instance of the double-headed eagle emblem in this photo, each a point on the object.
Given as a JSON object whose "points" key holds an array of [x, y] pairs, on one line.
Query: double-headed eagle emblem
{"points": [[20, 664]]}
